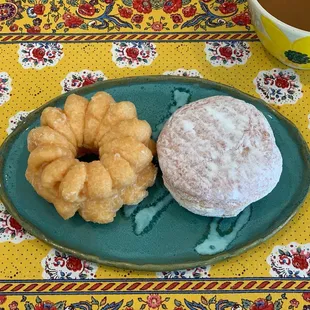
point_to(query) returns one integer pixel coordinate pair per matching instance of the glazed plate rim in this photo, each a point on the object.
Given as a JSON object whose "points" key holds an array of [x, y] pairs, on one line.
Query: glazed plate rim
{"points": [[33, 230]]}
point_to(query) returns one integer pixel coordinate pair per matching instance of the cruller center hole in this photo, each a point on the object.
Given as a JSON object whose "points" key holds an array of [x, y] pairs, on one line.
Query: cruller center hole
{"points": [[87, 156]]}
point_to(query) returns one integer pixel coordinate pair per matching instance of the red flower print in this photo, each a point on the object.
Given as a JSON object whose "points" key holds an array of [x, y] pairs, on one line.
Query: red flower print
{"points": [[73, 264], [226, 51], [13, 27], [14, 224], [88, 81], [228, 7], [2, 299], [306, 296], [142, 6], [86, 9], [154, 301], [125, 12], [72, 21], [299, 261], [39, 306], [171, 6], [34, 29], [137, 18], [132, 52], [262, 304], [242, 19], [38, 53], [189, 11], [177, 18], [282, 82], [294, 302], [45, 305], [157, 26], [13, 305], [108, 1], [39, 9], [178, 308], [129, 308]]}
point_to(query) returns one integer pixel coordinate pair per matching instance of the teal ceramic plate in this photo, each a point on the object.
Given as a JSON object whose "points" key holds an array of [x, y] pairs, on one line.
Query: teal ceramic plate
{"points": [[158, 234]]}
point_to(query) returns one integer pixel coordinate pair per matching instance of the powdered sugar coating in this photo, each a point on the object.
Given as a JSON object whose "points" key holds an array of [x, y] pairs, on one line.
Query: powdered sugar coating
{"points": [[218, 155]]}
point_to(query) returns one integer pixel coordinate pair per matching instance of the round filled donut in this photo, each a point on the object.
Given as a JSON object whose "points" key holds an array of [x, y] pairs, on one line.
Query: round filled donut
{"points": [[218, 155], [96, 189]]}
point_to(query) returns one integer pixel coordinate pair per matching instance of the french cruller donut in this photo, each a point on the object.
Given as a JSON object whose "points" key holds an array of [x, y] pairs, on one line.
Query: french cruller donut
{"points": [[98, 189]]}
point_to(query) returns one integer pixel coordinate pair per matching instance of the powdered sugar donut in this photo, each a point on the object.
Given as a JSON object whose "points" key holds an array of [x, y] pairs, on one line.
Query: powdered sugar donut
{"points": [[218, 155]]}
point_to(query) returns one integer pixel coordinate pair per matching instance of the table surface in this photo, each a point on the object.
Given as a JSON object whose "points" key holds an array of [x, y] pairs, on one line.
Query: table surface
{"points": [[49, 47]]}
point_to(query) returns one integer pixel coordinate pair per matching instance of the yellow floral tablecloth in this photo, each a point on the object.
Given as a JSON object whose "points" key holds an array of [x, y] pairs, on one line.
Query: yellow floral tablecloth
{"points": [[49, 47]]}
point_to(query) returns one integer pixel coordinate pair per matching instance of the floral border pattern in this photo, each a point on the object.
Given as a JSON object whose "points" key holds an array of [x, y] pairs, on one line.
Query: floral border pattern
{"points": [[133, 54], [279, 86], [292, 260], [159, 301], [184, 72], [195, 273], [15, 120], [75, 80], [227, 54], [5, 87], [39, 55], [10, 229], [58, 265], [50, 16]]}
